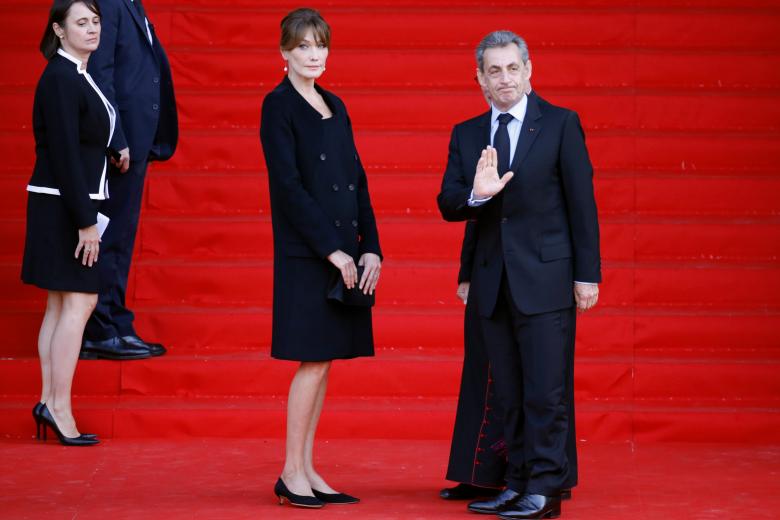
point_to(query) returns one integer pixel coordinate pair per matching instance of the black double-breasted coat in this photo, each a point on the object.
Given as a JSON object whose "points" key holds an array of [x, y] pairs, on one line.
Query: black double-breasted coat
{"points": [[319, 204]]}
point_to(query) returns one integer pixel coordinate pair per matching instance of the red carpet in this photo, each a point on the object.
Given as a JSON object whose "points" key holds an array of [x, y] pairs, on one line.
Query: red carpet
{"points": [[679, 102], [218, 479]]}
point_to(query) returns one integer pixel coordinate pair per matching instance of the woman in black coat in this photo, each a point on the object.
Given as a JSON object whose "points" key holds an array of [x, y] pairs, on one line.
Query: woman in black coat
{"points": [[72, 123], [324, 228]]}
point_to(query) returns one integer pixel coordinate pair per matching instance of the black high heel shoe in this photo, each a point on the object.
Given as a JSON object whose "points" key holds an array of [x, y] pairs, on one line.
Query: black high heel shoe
{"points": [[39, 424], [282, 493], [48, 420], [335, 498]]}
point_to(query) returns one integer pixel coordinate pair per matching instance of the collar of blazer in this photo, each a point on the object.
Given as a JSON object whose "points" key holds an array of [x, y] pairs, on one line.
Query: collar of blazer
{"points": [[140, 22], [332, 101]]}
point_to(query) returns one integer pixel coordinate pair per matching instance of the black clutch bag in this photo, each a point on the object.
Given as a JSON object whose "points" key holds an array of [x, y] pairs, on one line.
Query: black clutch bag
{"points": [[353, 297]]}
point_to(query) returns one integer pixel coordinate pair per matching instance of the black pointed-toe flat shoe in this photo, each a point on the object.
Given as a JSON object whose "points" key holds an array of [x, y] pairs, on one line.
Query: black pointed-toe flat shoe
{"points": [[284, 494], [468, 492], [335, 498], [502, 502], [48, 422], [533, 507]]}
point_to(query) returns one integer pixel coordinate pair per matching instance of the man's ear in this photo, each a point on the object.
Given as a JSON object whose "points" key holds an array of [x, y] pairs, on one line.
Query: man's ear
{"points": [[481, 79], [529, 69]]}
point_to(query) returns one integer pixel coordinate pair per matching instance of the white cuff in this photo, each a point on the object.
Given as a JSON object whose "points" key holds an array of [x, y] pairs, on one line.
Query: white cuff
{"points": [[476, 202]]}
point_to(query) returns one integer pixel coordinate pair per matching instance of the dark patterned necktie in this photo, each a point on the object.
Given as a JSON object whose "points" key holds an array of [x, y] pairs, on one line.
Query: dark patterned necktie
{"points": [[501, 143]]}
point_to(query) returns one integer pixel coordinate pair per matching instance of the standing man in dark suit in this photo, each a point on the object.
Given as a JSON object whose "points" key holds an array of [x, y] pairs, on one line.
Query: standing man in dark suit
{"points": [[522, 171], [132, 69]]}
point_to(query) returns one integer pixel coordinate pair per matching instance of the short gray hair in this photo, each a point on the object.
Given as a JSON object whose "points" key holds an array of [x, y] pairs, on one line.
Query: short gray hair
{"points": [[500, 39]]}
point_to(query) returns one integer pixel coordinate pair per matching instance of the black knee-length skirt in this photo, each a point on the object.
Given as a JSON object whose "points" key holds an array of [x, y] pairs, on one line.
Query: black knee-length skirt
{"points": [[50, 242], [306, 325]]}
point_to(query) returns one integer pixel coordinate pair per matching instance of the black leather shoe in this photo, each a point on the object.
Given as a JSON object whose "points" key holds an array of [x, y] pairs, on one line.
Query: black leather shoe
{"points": [[284, 494], [155, 349], [467, 492], [502, 502], [39, 422], [114, 348], [534, 506], [335, 498]]}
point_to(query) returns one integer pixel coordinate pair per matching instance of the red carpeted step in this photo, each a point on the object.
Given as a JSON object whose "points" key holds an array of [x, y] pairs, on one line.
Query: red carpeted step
{"points": [[392, 193], [207, 239], [390, 374], [399, 109], [726, 336], [384, 418]]}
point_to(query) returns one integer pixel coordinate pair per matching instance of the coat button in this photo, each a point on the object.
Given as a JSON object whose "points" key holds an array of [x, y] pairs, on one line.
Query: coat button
{"points": [[156, 80], [155, 106], [337, 223], [323, 157], [504, 220], [354, 223], [351, 187], [335, 187]]}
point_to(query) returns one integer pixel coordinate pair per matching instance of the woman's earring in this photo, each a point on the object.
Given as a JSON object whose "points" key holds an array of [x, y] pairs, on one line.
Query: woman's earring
{"points": [[285, 66]]}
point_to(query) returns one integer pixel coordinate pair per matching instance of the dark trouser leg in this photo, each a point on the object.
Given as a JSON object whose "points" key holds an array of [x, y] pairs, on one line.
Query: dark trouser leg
{"points": [[529, 359], [571, 442], [506, 368], [111, 316], [544, 348], [478, 451]]}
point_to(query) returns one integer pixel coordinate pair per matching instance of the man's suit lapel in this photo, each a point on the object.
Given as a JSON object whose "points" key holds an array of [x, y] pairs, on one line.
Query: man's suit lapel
{"points": [[483, 129], [532, 125], [138, 20]]}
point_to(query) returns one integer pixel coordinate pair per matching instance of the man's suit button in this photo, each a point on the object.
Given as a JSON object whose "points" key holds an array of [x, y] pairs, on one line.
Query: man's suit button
{"points": [[354, 223], [323, 157], [156, 80], [335, 187], [351, 187], [155, 106], [504, 220], [337, 223]]}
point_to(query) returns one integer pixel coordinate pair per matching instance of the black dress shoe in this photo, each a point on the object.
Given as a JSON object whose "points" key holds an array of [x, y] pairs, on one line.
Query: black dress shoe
{"points": [[113, 348], [155, 349], [467, 492], [534, 506], [282, 493], [502, 502], [335, 498]]}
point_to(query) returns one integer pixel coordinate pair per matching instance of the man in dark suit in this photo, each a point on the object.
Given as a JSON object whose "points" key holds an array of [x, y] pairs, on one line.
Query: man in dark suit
{"points": [[132, 69], [522, 171]]}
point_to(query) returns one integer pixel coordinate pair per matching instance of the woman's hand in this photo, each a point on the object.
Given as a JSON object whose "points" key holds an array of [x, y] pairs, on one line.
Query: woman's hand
{"points": [[463, 291], [346, 265], [89, 239], [372, 264], [123, 163]]}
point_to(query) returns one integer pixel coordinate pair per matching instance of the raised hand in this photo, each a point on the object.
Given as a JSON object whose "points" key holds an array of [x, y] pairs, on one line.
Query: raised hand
{"points": [[486, 180]]}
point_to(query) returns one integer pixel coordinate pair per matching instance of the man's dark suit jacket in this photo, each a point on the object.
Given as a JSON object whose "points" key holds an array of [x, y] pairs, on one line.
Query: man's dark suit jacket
{"points": [[135, 76], [543, 228]]}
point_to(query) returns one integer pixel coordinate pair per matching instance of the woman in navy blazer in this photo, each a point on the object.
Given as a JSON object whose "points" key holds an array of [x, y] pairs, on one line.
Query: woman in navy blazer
{"points": [[72, 124], [324, 227]]}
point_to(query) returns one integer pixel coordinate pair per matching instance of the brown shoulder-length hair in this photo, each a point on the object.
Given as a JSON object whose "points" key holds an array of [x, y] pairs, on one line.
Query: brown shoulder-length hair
{"points": [[57, 14], [297, 22]]}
